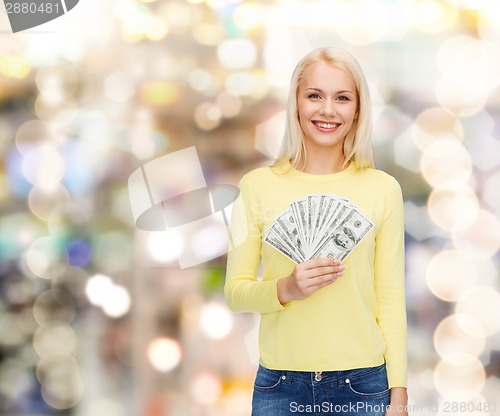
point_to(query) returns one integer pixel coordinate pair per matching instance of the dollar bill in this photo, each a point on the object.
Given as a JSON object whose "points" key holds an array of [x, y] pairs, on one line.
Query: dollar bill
{"points": [[319, 225], [345, 237]]}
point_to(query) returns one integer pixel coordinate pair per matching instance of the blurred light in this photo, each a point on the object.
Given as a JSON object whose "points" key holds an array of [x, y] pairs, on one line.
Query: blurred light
{"points": [[54, 305], [435, 124], [418, 222], [119, 86], [450, 275], [164, 354], [461, 372], [112, 251], [68, 220], [406, 153], [229, 105], [483, 304], [165, 246], [13, 66], [203, 81], [469, 325], [62, 389], [471, 72], [446, 164], [109, 406], [158, 93], [15, 329], [57, 82], [450, 341], [216, 320], [54, 339], [42, 201], [113, 299], [237, 53], [218, 4], [98, 289], [359, 23], [216, 235], [279, 58], [55, 363], [206, 388], [481, 240], [453, 210], [207, 116], [249, 15], [45, 258], [246, 83], [79, 252], [484, 151], [58, 114], [434, 16], [490, 191], [139, 22], [269, 135], [179, 16], [118, 304], [16, 179], [488, 23], [44, 166], [208, 34], [31, 134], [17, 232]]}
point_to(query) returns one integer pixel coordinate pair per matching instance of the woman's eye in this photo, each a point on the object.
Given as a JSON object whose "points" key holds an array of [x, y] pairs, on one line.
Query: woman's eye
{"points": [[343, 98], [315, 96]]}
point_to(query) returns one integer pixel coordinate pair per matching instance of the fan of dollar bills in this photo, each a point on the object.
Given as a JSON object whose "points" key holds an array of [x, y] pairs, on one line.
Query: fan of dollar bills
{"points": [[322, 225]]}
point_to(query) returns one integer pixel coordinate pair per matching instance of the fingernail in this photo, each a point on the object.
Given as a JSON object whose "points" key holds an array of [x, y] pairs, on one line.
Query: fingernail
{"points": [[342, 267], [336, 261]]}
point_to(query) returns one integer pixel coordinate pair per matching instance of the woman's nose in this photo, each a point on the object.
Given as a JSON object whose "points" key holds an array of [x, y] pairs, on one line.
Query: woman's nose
{"points": [[328, 108]]}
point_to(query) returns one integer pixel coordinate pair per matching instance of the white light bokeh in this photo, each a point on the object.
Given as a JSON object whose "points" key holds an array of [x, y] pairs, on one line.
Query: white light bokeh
{"points": [[450, 275], [459, 372], [44, 166], [481, 239], [164, 354], [483, 304], [165, 246], [453, 210], [451, 339], [216, 320], [237, 53], [446, 164], [206, 388]]}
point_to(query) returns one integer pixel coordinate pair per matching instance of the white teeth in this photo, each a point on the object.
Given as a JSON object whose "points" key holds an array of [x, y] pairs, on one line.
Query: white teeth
{"points": [[326, 125]]}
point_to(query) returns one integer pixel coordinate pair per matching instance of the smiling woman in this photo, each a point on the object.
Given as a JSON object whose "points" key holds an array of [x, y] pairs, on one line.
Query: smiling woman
{"points": [[326, 155]]}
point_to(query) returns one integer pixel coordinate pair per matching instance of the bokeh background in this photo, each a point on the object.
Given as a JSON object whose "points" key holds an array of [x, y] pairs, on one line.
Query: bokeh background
{"points": [[96, 316]]}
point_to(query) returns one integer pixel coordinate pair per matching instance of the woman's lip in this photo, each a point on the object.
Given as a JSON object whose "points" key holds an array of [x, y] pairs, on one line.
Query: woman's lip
{"points": [[325, 125]]}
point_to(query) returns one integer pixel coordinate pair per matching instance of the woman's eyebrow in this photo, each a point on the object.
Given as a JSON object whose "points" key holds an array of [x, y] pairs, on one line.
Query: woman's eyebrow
{"points": [[338, 92]]}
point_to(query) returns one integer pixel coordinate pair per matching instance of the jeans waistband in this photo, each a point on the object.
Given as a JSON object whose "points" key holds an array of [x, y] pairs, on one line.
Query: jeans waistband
{"points": [[340, 377]]}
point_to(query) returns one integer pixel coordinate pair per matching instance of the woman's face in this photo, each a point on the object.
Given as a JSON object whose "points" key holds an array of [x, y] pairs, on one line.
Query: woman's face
{"points": [[327, 105]]}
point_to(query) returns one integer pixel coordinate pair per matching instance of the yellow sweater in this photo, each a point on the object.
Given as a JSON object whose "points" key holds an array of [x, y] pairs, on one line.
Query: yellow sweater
{"points": [[358, 321]]}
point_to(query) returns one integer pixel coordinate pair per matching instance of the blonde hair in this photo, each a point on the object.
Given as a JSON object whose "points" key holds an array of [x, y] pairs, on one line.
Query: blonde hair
{"points": [[357, 144]]}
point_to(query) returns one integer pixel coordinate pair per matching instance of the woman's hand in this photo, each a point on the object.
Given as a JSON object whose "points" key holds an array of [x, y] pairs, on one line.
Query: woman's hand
{"points": [[399, 402], [308, 277]]}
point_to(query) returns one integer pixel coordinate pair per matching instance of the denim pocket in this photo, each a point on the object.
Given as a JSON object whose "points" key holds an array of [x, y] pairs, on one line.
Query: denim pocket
{"points": [[370, 382], [267, 380]]}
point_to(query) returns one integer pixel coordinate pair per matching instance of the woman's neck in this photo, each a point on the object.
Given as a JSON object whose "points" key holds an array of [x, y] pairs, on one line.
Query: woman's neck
{"points": [[323, 163]]}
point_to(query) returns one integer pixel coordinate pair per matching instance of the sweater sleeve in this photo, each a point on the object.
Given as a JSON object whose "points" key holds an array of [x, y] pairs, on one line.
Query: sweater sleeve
{"points": [[390, 286], [243, 290]]}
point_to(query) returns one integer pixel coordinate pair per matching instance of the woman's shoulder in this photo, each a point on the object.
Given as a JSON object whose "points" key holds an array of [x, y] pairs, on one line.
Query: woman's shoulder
{"points": [[263, 173], [379, 176]]}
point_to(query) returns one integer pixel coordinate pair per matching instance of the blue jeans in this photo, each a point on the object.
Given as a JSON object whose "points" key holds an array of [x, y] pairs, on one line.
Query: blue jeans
{"points": [[362, 391]]}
